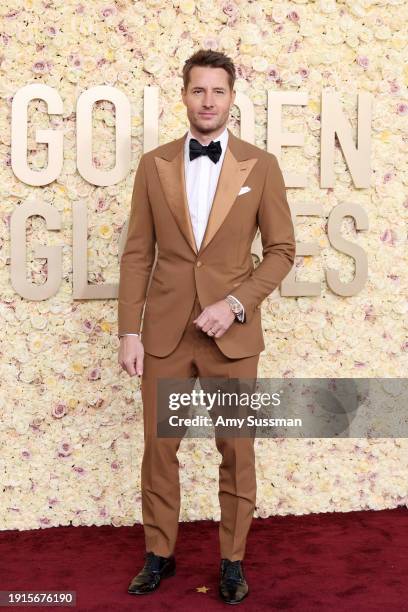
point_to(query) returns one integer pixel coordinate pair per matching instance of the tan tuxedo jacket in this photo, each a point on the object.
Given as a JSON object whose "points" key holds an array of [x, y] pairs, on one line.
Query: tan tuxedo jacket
{"points": [[160, 220]]}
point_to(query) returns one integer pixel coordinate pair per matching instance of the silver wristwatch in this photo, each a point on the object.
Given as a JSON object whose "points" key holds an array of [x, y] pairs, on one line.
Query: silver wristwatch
{"points": [[234, 304]]}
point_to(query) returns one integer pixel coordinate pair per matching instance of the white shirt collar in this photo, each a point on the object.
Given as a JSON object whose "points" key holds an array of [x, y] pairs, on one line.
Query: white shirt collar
{"points": [[223, 138]]}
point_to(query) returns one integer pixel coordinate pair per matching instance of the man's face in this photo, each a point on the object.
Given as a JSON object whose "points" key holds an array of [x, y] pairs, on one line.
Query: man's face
{"points": [[208, 99]]}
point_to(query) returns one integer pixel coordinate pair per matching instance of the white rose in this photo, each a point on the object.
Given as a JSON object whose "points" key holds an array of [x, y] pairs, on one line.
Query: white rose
{"points": [[153, 64], [166, 17], [259, 63], [250, 34]]}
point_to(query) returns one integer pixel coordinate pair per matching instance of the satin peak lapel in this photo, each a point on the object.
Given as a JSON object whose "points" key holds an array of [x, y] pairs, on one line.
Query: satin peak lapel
{"points": [[171, 173], [232, 176]]}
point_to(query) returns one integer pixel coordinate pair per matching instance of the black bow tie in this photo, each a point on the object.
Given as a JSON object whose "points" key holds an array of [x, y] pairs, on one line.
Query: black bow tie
{"points": [[213, 150]]}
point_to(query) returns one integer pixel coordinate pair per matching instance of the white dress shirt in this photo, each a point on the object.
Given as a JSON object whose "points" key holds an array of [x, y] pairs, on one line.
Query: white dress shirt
{"points": [[201, 182], [202, 176]]}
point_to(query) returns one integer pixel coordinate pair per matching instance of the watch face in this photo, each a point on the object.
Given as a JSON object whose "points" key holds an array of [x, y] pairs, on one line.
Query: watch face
{"points": [[236, 308]]}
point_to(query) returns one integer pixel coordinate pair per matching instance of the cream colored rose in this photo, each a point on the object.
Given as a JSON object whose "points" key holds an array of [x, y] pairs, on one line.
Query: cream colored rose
{"points": [[153, 63], [249, 34], [382, 33], [166, 17], [259, 63]]}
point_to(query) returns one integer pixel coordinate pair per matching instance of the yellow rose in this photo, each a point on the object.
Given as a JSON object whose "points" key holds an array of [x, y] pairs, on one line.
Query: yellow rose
{"points": [[187, 7]]}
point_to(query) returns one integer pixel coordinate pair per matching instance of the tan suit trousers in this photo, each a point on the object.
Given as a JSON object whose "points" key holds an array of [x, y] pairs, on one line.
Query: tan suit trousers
{"points": [[196, 355]]}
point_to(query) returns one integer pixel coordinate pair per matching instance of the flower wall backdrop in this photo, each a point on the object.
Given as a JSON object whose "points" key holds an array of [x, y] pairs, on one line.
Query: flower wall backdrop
{"points": [[71, 427]]}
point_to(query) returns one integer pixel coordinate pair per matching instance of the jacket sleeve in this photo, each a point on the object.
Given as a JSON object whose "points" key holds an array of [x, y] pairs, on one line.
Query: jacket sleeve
{"points": [[137, 258], [278, 242]]}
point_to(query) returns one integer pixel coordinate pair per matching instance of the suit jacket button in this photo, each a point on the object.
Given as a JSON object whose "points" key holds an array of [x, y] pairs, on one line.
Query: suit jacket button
{"points": [[199, 264]]}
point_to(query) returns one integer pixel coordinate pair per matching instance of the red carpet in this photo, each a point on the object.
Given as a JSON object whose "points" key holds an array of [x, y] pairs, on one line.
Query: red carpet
{"points": [[339, 561]]}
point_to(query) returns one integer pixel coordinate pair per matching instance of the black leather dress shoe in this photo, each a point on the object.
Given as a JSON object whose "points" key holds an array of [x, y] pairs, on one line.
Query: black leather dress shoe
{"points": [[154, 569], [233, 586]]}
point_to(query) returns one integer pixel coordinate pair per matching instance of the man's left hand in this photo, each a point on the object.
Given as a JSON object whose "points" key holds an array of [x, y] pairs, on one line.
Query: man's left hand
{"points": [[215, 319]]}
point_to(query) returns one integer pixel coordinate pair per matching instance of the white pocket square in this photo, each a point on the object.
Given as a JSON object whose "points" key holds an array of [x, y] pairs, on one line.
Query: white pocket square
{"points": [[244, 190]]}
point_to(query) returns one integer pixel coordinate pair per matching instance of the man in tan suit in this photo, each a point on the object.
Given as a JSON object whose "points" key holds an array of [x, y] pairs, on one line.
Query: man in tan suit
{"points": [[199, 200]]}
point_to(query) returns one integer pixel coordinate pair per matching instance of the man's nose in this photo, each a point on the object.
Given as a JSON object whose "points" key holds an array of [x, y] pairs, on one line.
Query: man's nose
{"points": [[208, 101]]}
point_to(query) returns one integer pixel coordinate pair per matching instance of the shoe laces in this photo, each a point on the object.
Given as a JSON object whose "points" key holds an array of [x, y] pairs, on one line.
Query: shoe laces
{"points": [[232, 571]]}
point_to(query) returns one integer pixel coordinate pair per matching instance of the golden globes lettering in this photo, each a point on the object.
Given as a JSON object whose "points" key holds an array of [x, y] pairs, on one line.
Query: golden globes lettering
{"points": [[333, 122]]}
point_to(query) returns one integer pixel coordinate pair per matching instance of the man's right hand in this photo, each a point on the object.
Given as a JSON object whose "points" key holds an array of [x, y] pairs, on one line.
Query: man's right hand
{"points": [[131, 354]]}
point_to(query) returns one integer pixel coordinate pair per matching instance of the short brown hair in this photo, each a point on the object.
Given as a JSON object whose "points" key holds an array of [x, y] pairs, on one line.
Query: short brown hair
{"points": [[207, 57]]}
